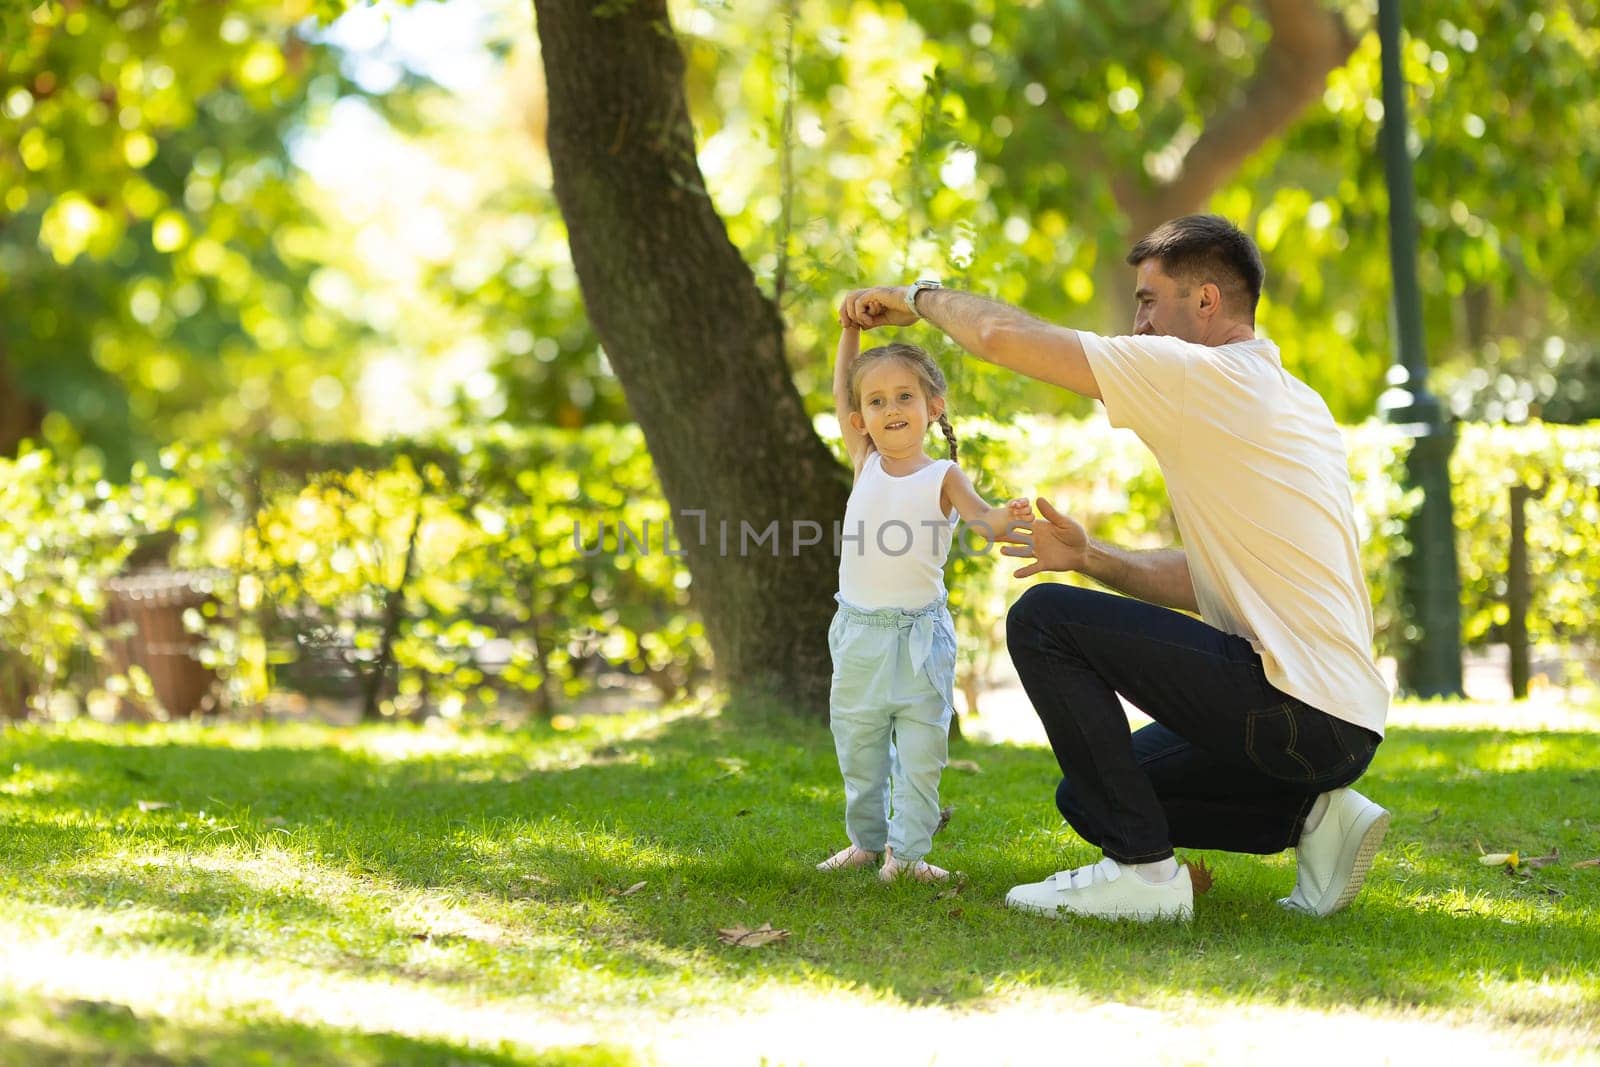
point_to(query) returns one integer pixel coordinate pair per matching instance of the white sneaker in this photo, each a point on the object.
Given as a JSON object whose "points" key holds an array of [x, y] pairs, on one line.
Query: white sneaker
{"points": [[1107, 890], [1335, 857]]}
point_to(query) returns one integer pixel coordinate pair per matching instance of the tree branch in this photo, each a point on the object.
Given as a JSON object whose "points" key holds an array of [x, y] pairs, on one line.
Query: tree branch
{"points": [[1308, 43]]}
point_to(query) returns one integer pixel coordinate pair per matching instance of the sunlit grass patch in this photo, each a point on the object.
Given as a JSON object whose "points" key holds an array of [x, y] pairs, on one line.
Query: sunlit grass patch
{"points": [[516, 890]]}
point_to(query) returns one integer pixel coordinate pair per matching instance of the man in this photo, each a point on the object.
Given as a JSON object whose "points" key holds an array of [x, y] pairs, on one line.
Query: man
{"points": [[1267, 710]]}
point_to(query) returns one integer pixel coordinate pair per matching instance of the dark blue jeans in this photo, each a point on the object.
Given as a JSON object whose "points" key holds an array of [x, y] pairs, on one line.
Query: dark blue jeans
{"points": [[1230, 762]]}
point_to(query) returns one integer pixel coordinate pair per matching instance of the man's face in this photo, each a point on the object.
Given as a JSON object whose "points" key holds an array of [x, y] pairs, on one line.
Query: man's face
{"points": [[1164, 306]]}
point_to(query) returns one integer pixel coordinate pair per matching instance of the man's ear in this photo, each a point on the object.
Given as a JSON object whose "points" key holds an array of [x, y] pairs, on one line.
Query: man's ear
{"points": [[857, 423], [1210, 300]]}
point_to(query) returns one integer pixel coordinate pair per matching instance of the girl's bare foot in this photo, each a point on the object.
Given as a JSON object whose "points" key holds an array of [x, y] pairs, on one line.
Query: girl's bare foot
{"points": [[921, 870], [847, 858]]}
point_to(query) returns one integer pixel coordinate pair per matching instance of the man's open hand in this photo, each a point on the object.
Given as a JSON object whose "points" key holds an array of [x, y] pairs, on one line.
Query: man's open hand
{"points": [[883, 305], [1056, 542]]}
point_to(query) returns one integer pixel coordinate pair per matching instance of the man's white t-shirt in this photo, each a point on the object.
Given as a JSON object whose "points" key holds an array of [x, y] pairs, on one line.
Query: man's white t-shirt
{"points": [[1260, 486]]}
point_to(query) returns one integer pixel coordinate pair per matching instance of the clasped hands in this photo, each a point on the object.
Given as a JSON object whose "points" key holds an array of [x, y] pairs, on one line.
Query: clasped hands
{"points": [[1053, 541], [882, 305]]}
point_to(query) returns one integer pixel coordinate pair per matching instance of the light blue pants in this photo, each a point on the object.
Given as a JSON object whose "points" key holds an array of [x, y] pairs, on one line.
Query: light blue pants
{"points": [[890, 707]]}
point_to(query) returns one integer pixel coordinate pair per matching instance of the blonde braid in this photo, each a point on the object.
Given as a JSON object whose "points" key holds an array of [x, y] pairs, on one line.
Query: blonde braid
{"points": [[949, 434]]}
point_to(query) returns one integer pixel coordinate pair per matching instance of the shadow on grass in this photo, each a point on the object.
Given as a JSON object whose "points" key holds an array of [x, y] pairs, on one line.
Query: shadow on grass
{"points": [[721, 820], [45, 1033]]}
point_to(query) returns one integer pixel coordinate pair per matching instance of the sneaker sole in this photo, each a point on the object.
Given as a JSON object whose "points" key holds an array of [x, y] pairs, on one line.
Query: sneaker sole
{"points": [[1055, 912], [1365, 847]]}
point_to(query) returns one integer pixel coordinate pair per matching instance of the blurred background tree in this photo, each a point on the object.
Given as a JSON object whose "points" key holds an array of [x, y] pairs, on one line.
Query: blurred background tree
{"points": [[156, 255], [1021, 148], [169, 268]]}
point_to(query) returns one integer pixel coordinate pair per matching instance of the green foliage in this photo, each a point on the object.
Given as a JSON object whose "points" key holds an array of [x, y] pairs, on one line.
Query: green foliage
{"points": [[66, 531], [166, 270], [1561, 464], [1000, 145], [497, 598], [158, 256], [513, 286]]}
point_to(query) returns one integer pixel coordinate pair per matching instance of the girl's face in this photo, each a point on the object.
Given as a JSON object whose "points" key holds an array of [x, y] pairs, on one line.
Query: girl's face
{"points": [[895, 408]]}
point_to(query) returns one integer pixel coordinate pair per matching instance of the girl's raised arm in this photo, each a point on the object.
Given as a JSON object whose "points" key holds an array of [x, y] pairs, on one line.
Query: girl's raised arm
{"points": [[855, 441]]}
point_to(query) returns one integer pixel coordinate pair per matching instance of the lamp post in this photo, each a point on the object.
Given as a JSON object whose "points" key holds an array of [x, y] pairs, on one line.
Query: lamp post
{"points": [[1430, 646]]}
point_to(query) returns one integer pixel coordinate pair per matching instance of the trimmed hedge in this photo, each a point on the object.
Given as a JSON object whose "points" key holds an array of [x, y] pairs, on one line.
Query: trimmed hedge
{"points": [[435, 573]]}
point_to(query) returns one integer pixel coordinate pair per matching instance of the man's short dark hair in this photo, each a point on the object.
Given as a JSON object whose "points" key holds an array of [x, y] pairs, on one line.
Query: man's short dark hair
{"points": [[1207, 248]]}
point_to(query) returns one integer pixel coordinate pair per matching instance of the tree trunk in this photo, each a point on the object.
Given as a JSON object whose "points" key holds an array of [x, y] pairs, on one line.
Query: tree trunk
{"points": [[21, 416], [696, 345]]}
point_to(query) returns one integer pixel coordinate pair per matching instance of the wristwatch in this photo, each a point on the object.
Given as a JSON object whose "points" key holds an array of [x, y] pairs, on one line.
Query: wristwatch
{"points": [[917, 287]]}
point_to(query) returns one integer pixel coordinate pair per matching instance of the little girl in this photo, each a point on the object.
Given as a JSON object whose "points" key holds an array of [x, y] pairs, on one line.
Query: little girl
{"points": [[892, 639]]}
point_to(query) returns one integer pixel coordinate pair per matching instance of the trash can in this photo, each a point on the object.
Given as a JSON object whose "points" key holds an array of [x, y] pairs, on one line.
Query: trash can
{"points": [[154, 601]]}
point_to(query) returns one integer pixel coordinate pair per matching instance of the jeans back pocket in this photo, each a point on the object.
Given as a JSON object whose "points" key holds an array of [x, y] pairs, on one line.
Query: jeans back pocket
{"points": [[1294, 742]]}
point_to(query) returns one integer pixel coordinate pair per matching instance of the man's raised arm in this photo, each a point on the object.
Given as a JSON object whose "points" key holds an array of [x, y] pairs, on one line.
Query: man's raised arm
{"points": [[994, 332]]}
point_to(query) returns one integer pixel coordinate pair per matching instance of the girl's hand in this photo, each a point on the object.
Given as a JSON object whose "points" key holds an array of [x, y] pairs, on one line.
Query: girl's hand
{"points": [[1012, 521], [1057, 543], [1007, 523]]}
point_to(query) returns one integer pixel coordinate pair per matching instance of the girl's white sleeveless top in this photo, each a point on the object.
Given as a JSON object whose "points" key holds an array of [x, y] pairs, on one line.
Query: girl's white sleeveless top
{"points": [[894, 542]]}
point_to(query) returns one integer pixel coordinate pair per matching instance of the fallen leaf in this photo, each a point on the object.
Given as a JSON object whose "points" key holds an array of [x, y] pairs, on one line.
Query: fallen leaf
{"points": [[1535, 862], [1496, 859], [153, 805], [1200, 876], [970, 766], [632, 889], [944, 818], [745, 937], [422, 937], [1588, 863]]}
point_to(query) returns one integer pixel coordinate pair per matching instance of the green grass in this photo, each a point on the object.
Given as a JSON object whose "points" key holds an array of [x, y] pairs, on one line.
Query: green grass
{"points": [[449, 895]]}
